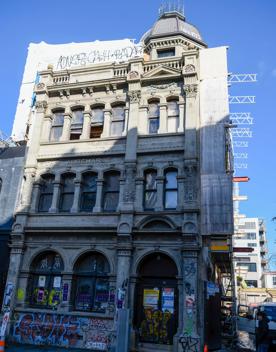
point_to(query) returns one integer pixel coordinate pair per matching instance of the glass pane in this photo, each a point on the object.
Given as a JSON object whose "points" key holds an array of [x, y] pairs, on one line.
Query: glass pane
{"points": [[68, 183], [58, 119], [97, 115], [171, 180], [88, 201], [77, 117], [89, 183], [150, 179], [150, 199], [171, 200], [96, 131], [153, 125], [117, 128], [101, 295], [66, 201], [56, 133], [118, 112], [111, 201], [93, 264], [153, 110], [84, 294], [45, 202], [112, 182], [173, 123], [173, 109], [166, 53]]}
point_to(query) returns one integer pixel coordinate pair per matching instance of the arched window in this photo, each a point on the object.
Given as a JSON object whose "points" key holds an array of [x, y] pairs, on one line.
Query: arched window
{"points": [[170, 186], [91, 283], [173, 115], [57, 125], [88, 191], [45, 281], [118, 120], [76, 123], [111, 191], [150, 190], [67, 192], [153, 117], [97, 122], [46, 193]]}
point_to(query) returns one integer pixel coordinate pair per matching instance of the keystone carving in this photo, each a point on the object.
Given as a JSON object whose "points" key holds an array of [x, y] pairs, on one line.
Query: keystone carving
{"points": [[190, 90], [134, 96]]}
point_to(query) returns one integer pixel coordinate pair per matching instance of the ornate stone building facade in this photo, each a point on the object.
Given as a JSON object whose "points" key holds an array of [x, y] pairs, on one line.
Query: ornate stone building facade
{"points": [[126, 183]]}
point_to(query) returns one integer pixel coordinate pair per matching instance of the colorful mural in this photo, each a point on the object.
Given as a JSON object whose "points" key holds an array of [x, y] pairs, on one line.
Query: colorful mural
{"points": [[63, 330]]}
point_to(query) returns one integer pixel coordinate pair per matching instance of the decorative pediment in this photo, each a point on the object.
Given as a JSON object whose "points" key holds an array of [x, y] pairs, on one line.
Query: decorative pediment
{"points": [[161, 70]]}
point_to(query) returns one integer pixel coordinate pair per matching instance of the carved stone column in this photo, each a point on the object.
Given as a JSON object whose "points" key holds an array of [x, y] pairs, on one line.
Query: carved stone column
{"points": [[46, 128], [163, 118], [86, 125], [107, 123], [180, 192], [139, 196], [99, 196], [16, 255], [181, 117], [124, 133], [66, 127], [190, 183], [143, 120], [129, 187], [123, 266], [77, 191], [160, 193], [191, 120], [35, 197], [26, 195], [191, 299], [131, 144], [55, 201]]}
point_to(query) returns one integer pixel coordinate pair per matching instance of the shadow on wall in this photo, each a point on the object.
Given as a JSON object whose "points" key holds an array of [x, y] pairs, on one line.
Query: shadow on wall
{"points": [[92, 192]]}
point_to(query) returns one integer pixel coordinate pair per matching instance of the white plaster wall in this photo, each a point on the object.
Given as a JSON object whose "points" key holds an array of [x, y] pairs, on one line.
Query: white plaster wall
{"points": [[64, 56]]}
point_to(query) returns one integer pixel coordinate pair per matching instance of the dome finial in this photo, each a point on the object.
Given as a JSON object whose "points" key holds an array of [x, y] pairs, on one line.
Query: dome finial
{"points": [[172, 6]]}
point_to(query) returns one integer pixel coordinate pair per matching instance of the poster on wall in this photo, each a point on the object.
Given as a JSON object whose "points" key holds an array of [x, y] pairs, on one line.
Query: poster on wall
{"points": [[57, 282], [168, 299], [41, 281], [151, 298]]}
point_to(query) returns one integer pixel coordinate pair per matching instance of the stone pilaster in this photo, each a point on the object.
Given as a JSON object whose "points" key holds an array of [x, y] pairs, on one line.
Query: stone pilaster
{"points": [[46, 128], [160, 193], [35, 197], [139, 197], [107, 123], [77, 191], [143, 120], [181, 117], [26, 194], [123, 266], [191, 121], [163, 118], [86, 125], [99, 196], [55, 201], [66, 127]]}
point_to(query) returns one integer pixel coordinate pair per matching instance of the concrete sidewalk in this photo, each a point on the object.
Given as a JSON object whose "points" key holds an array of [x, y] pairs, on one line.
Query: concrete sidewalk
{"points": [[32, 348]]}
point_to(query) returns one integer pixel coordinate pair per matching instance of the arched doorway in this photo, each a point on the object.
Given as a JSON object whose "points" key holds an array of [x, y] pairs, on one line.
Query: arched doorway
{"points": [[156, 304]]}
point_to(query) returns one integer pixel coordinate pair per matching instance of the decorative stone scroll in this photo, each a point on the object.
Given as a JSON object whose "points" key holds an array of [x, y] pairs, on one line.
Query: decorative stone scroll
{"points": [[190, 90]]}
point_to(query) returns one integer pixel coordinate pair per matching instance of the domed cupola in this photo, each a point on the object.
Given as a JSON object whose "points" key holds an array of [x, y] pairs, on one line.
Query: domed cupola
{"points": [[171, 31]]}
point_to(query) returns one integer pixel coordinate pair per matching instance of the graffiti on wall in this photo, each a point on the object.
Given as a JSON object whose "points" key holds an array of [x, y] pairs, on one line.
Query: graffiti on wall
{"points": [[188, 343], [188, 340], [63, 330]]}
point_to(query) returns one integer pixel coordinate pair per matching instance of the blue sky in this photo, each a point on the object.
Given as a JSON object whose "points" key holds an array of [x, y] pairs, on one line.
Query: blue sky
{"points": [[247, 27]]}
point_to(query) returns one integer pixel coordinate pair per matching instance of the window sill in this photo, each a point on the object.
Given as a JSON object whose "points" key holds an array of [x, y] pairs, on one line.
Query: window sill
{"points": [[82, 140]]}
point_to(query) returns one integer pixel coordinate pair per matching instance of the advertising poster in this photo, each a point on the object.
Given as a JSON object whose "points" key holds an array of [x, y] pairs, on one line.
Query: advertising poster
{"points": [[41, 281], [168, 300], [151, 298], [57, 282]]}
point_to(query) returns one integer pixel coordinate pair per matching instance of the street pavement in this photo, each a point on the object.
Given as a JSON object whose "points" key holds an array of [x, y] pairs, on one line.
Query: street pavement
{"points": [[30, 348]]}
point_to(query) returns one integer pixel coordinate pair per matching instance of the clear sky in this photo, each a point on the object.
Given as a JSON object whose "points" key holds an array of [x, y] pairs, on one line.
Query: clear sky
{"points": [[248, 27]]}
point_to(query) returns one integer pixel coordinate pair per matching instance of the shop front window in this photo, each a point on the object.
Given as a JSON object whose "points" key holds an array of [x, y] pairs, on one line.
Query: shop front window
{"points": [[45, 281], [92, 291]]}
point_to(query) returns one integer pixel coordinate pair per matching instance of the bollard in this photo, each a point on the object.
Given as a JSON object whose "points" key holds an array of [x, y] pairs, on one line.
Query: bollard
{"points": [[205, 348], [2, 344]]}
